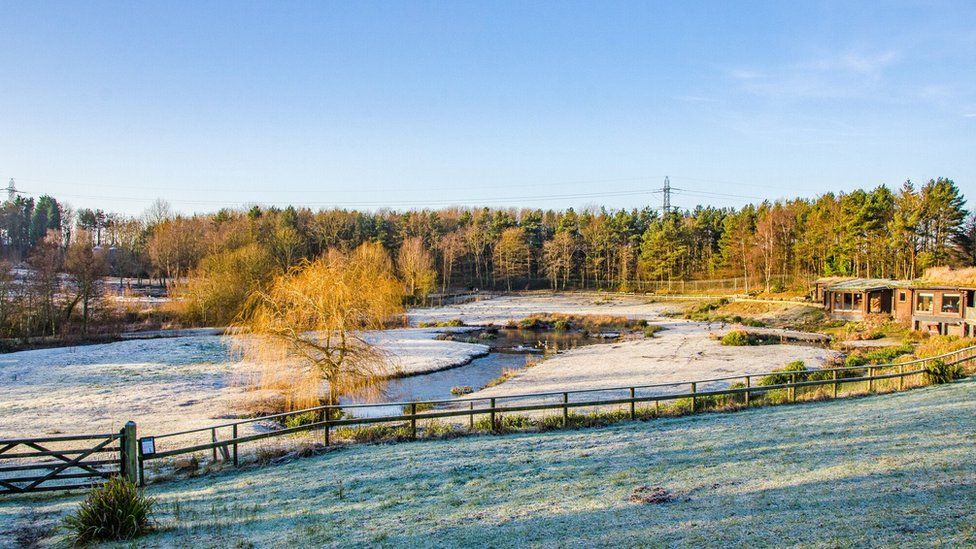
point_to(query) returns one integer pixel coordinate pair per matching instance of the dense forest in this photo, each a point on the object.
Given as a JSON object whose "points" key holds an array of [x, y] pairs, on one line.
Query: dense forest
{"points": [[212, 261]]}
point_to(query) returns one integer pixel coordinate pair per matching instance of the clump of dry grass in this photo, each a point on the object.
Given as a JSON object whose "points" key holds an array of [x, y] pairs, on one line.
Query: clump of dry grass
{"points": [[940, 345], [563, 321], [950, 276]]}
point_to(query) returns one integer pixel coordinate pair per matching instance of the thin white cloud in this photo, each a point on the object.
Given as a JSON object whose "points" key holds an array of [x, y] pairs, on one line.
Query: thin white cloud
{"points": [[838, 75]]}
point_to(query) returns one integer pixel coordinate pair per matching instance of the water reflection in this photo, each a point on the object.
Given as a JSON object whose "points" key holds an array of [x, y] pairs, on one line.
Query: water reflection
{"points": [[510, 350]]}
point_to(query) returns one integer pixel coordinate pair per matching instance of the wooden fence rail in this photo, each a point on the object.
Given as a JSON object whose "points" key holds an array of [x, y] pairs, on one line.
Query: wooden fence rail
{"points": [[744, 394]]}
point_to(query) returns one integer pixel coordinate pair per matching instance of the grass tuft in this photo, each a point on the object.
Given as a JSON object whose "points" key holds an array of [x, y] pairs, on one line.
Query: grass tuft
{"points": [[114, 511]]}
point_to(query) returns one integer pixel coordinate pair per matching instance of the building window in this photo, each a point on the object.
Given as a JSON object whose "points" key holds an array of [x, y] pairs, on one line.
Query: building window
{"points": [[848, 302], [950, 303], [924, 303], [901, 296]]}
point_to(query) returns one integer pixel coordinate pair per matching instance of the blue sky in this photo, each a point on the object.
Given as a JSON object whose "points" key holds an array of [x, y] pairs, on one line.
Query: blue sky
{"points": [[542, 104]]}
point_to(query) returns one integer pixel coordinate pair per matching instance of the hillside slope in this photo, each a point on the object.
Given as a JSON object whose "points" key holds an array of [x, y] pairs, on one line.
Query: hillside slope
{"points": [[884, 470]]}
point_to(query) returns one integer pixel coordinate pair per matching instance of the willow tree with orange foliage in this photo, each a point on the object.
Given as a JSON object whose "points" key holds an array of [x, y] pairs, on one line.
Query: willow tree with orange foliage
{"points": [[306, 329]]}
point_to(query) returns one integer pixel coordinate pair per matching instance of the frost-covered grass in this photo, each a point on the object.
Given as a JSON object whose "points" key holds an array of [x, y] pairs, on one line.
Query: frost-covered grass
{"points": [[878, 471], [499, 310], [164, 384]]}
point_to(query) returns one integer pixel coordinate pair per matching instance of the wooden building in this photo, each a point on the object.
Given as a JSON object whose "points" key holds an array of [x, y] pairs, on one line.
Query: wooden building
{"points": [[923, 305]]}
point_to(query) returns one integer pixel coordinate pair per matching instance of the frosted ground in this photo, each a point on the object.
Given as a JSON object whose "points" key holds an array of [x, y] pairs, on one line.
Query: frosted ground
{"points": [[174, 384], [891, 470], [164, 384], [684, 351]]}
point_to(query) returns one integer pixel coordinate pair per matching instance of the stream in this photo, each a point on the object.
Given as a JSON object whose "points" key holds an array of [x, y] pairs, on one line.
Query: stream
{"points": [[510, 349]]}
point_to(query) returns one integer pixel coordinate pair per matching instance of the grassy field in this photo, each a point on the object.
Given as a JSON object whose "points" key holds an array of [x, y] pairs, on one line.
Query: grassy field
{"points": [[882, 470]]}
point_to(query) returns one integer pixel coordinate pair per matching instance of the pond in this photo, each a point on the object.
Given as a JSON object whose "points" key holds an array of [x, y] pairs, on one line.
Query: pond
{"points": [[510, 350]]}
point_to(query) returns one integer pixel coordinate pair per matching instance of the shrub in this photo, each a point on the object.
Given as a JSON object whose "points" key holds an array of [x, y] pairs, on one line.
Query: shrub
{"points": [[787, 374], [531, 323], [888, 354], [461, 390], [504, 423], [561, 325], [453, 323], [650, 330], [939, 372], [855, 359], [116, 510], [737, 338], [940, 345], [374, 433], [419, 406], [298, 420]]}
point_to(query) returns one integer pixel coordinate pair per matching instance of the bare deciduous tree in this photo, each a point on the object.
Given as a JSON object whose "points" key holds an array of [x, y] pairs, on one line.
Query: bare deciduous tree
{"points": [[416, 267]]}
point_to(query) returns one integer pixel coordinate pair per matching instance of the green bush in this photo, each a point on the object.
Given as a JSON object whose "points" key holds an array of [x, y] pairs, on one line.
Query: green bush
{"points": [[561, 325], [855, 359], [114, 511], [737, 338], [939, 372], [888, 355], [652, 329], [786, 374], [461, 390], [531, 323], [298, 420]]}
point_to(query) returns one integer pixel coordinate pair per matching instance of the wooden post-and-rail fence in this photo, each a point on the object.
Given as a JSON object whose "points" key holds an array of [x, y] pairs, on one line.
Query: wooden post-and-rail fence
{"points": [[67, 462], [128, 455]]}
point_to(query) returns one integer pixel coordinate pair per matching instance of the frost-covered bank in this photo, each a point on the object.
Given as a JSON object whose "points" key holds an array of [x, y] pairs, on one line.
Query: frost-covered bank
{"points": [[891, 470], [165, 384]]}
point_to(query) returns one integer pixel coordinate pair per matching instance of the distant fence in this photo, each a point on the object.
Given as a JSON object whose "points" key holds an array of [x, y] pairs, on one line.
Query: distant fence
{"points": [[221, 443], [726, 286]]}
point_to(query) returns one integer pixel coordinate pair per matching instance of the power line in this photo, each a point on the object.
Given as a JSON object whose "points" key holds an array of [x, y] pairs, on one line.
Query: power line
{"points": [[354, 188], [442, 202]]}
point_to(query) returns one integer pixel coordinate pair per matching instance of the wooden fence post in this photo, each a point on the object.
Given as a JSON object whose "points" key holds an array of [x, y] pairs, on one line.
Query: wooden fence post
{"points": [[129, 450], [213, 439], [748, 386], [870, 380], [471, 416], [835, 383], [792, 388], [694, 399], [413, 420], [633, 409], [492, 414], [901, 377], [565, 409], [234, 434], [327, 429]]}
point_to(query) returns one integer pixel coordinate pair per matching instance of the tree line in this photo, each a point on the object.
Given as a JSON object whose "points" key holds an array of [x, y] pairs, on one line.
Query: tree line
{"points": [[213, 261]]}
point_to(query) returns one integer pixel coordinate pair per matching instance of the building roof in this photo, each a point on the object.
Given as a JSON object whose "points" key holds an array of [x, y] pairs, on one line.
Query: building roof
{"points": [[867, 284], [947, 277]]}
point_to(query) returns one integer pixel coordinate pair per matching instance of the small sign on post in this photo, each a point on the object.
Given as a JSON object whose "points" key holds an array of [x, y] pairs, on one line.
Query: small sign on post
{"points": [[147, 446]]}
